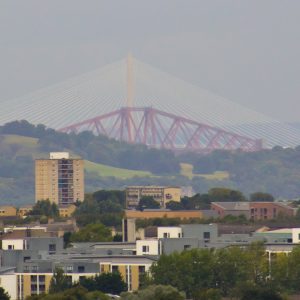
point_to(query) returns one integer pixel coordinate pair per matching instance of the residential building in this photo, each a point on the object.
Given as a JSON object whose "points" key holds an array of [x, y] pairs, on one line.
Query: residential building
{"points": [[148, 247], [8, 211], [283, 235], [59, 179], [48, 244], [169, 232], [161, 194], [24, 210], [66, 211], [253, 210]]}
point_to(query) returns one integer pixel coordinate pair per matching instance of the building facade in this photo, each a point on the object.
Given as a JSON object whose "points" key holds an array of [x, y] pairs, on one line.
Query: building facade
{"points": [[59, 179], [252, 210], [161, 194]]}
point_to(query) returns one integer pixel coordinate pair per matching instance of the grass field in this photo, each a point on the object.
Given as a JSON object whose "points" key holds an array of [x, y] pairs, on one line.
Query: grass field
{"points": [[187, 170], [106, 171], [20, 140]]}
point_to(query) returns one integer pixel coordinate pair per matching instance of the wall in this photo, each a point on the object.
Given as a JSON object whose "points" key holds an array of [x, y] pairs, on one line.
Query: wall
{"points": [[17, 244], [295, 235], [171, 232], [9, 283], [199, 231], [181, 214], [8, 211], [152, 247]]}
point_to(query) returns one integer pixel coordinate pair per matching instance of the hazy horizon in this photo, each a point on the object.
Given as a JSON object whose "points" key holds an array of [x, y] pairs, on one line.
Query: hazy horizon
{"points": [[245, 51]]}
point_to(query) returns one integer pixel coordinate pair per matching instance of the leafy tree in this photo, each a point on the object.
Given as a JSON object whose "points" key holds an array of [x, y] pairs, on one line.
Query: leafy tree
{"points": [[92, 233], [263, 197], [59, 282], [111, 283], [173, 205], [3, 294], [45, 208], [147, 202], [74, 293], [157, 292], [225, 195], [248, 291]]}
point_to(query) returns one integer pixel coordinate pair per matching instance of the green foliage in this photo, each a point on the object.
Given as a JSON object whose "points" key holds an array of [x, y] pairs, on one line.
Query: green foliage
{"points": [[74, 293], [102, 206], [92, 233], [157, 292], [248, 291], [147, 202], [263, 197], [99, 149], [224, 195], [173, 205], [59, 282], [111, 283], [45, 208], [268, 171], [3, 294], [198, 270]]}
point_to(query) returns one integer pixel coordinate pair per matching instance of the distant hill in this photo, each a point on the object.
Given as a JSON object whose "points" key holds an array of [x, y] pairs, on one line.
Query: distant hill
{"points": [[113, 165]]}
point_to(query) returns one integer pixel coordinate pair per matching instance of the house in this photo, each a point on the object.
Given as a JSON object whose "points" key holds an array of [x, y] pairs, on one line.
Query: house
{"points": [[253, 210]]}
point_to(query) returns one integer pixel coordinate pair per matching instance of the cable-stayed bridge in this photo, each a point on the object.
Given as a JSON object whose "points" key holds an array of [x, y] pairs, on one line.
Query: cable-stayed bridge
{"points": [[132, 101]]}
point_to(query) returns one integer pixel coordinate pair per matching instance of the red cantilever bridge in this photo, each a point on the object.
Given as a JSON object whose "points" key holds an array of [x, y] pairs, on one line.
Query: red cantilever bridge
{"points": [[159, 129]]}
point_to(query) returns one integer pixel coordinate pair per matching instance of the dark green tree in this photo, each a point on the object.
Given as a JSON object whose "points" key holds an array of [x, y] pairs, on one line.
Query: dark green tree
{"points": [[106, 282], [59, 282], [157, 292], [3, 294], [92, 233], [261, 197], [147, 202], [45, 208], [173, 205]]}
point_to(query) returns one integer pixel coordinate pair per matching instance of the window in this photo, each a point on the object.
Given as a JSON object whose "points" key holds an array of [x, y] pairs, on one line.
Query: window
{"points": [[26, 269], [25, 258], [145, 249], [166, 235], [185, 247], [69, 269], [81, 269], [33, 278], [206, 235], [298, 236], [142, 269], [52, 247], [114, 269], [42, 278], [34, 269], [42, 288], [11, 247]]}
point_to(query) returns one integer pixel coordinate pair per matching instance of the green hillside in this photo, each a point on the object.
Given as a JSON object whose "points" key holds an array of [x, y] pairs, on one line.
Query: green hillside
{"points": [[113, 164], [107, 171]]}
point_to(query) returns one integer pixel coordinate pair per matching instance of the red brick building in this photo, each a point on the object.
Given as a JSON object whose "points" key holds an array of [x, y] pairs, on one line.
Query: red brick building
{"points": [[252, 210]]}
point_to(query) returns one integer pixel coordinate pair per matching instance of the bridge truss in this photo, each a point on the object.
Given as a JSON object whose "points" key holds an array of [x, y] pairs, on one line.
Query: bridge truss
{"points": [[159, 129]]}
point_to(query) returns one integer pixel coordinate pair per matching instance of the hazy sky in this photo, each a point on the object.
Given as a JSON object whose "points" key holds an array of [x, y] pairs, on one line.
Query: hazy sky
{"points": [[246, 51]]}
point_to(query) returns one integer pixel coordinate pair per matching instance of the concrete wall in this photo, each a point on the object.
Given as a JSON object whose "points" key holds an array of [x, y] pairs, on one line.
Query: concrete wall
{"points": [[169, 232], [150, 214], [169, 246], [200, 231], [152, 247], [15, 244], [9, 283]]}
